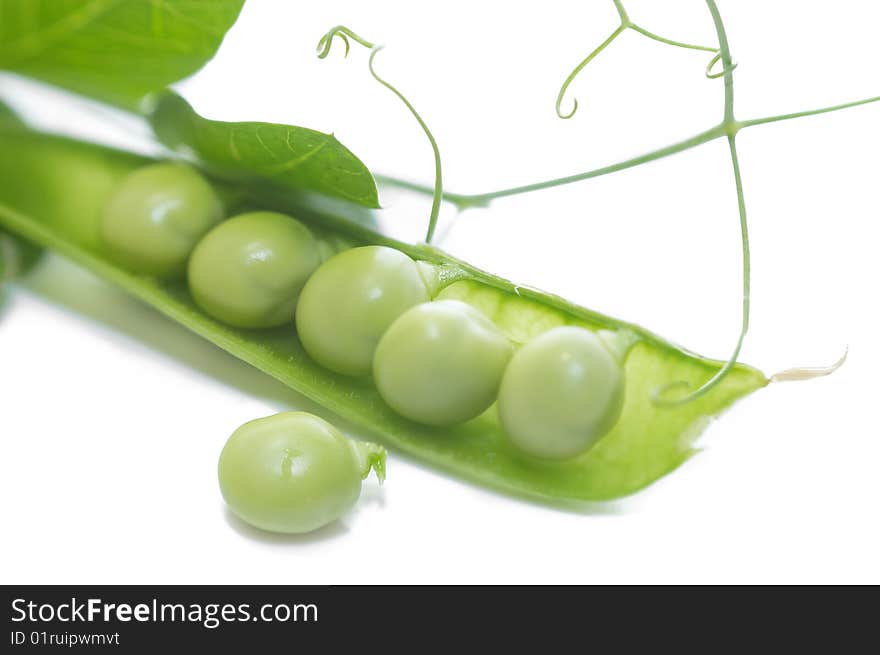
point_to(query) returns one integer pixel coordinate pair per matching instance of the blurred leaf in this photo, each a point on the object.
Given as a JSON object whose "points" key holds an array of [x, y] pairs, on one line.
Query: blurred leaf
{"points": [[117, 51]]}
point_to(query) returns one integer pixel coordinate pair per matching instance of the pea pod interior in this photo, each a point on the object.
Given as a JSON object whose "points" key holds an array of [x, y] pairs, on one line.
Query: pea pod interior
{"points": [[52, 190]]}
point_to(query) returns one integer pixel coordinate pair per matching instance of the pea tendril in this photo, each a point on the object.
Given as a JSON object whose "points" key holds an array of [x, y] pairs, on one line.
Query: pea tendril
{"points": [[482, 200], [625, 24], [323, 49], [341, 31], [715, 75], [728, 128], [731, 128]]}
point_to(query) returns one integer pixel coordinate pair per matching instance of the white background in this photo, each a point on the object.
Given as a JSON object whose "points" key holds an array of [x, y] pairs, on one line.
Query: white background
{"points": [[113, 417]]}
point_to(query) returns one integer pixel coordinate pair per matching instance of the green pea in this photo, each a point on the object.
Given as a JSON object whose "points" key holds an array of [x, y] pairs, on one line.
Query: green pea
{"points": [[561, 393], [249, 271], [351, 300], [156, 216], [440, 363], [294, 472]]}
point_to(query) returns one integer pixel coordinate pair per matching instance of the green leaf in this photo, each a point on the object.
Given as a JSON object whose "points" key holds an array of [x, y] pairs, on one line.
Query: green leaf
{"points": [[117, 51], [285, 156], [52, 189]]}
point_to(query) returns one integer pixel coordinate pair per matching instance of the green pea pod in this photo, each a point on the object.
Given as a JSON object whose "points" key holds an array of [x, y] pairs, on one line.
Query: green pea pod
{"points": [[17, 256], [51, 191]]}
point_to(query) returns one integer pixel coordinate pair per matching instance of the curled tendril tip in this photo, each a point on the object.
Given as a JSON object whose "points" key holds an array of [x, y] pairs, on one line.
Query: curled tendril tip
{"points": [[323, 49], [625, 24], [326, 41], [722, 72], [559, 113]]}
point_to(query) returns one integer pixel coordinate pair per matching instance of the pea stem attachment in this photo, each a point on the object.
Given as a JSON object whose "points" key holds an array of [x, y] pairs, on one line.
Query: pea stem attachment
{"points": [[369, 457], [323, 49]]}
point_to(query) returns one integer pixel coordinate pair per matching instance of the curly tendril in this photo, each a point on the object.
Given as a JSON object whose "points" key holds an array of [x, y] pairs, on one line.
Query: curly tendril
{"points": [[323, 49], [675, 393], [326, 41], [577, 69], [722, 72], [625, 24]]}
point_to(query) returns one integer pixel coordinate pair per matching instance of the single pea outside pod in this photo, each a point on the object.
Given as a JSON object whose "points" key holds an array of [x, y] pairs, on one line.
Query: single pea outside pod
{"points": [[293, 472]]}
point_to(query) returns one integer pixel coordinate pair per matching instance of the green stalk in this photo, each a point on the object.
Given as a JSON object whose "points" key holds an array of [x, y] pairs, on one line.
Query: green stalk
{"points": [[466, 201]]}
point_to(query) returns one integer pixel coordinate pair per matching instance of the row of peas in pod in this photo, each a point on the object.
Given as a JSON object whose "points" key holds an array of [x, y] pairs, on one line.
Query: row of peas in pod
{"points": [[367, 311]]}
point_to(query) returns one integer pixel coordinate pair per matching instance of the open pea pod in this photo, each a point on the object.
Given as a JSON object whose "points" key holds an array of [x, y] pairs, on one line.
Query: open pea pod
{"points": [[51, 190]]}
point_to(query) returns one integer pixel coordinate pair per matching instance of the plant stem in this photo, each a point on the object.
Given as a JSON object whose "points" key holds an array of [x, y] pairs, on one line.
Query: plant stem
{"points": [[438, 169], [687, 144], [323, 49], [731, 127], [809, 112], [625, 24], [621, 11], [482, 199], [726, 62], [746, 297], [465, 201], [662, 39]]}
